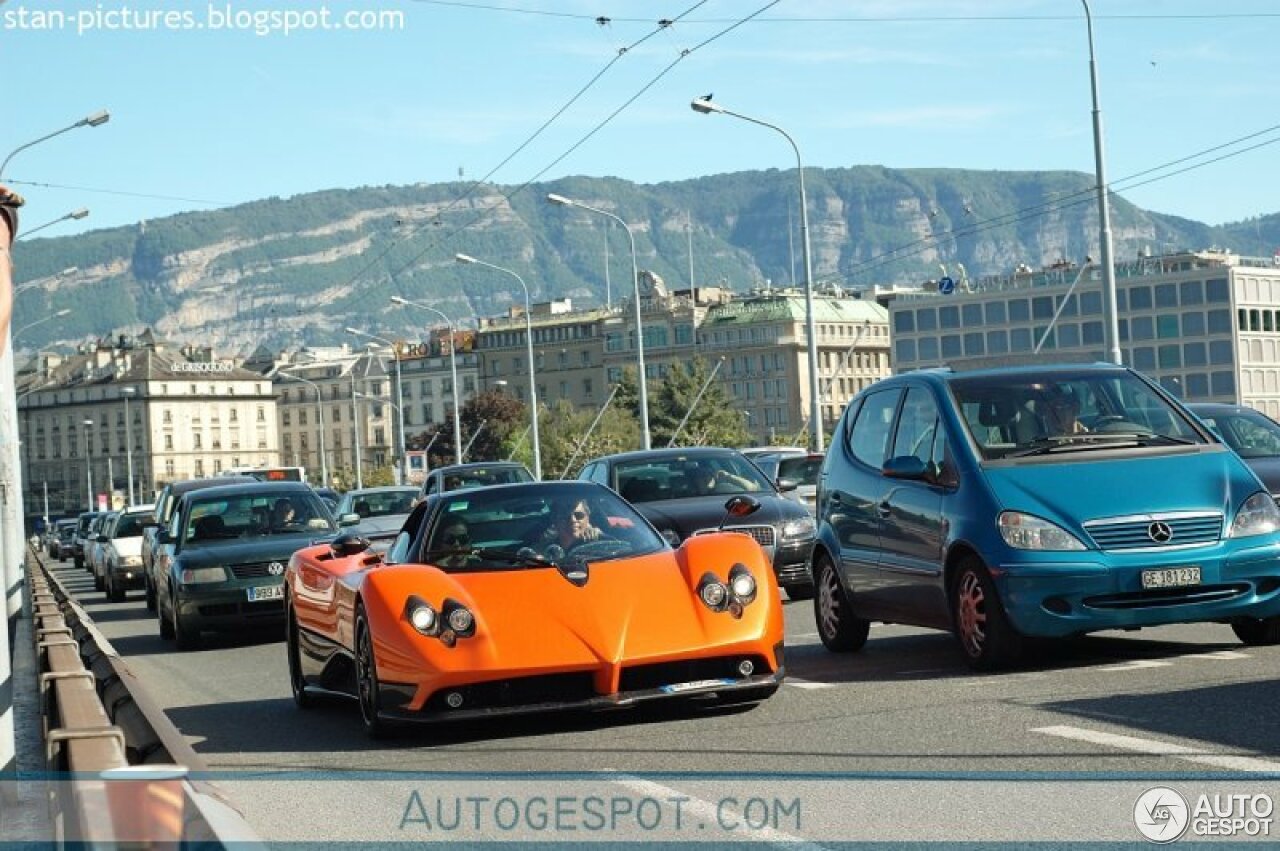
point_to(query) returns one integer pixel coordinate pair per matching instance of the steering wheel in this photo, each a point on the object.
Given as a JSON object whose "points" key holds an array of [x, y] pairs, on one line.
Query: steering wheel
{"points": [[597, 548], [1115, 423]]}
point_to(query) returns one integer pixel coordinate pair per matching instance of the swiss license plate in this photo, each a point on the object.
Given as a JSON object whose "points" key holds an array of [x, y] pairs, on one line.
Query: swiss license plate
{"points": [[694, 685], [265, 592], [1173, 577]]}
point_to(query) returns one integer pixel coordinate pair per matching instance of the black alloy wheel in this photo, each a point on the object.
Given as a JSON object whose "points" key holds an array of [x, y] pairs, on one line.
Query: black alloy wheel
{"points": [[839, 628]]}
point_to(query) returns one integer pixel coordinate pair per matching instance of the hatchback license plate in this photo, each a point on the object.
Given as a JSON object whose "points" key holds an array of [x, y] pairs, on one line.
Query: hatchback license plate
{"points": [[693, 686], [1173, 577], [266, 592]]}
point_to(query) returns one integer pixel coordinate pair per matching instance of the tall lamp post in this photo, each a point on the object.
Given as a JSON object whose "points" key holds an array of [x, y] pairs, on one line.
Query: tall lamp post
{"points": [[1110, 312], [399, 404], [707, 106], [528, 335], [74, 214], [42, 320], [127, 392], [324, 459], [88, 463], [562, 201], [453, 369], [355, 430]]}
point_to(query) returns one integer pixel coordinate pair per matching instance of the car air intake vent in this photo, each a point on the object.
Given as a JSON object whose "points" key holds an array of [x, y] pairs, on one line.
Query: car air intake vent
{"points": [[1156, 531], [764, 535], [1168, 596]]}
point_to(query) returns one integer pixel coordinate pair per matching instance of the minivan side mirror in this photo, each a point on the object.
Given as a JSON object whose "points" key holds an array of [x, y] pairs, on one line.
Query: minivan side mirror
{"points": [[351, 519], [785, 485], [907, 467]]}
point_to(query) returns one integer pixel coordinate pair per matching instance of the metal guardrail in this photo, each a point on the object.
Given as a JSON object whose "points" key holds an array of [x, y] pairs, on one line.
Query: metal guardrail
{"points": [[125, 765]]}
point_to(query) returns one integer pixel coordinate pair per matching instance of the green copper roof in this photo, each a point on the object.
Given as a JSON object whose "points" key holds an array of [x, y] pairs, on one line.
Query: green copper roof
{"points": [[791, 307]]}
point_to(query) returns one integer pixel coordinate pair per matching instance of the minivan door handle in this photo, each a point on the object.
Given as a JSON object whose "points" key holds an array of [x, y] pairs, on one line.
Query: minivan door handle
{"points": [[884, 509]]}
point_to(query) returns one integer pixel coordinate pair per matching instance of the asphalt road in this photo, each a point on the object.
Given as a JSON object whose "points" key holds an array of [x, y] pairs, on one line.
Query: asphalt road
{"points": [[1184, 699]]}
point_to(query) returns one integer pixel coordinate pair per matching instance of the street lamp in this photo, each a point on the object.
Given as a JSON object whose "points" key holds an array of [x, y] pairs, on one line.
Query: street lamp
{"points": [[100, 117], [707, 106], [355, 429], [74, 214], [562, 201], [453, 368], [533, 381], [88, 462], [49, 318], [399, 405], [324, 460], [1109, 308], [128, 438]]}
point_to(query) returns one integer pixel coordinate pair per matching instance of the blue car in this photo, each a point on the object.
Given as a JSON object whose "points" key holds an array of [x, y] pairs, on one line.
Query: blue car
{"points": [[1037, 501]]}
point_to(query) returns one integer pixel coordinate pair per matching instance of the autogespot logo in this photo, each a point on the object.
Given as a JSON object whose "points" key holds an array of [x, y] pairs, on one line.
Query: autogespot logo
{"points": [[1161, 814]]}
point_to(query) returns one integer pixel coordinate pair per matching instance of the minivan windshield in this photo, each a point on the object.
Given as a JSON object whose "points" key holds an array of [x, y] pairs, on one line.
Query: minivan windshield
{"points": [[1024, 414]]}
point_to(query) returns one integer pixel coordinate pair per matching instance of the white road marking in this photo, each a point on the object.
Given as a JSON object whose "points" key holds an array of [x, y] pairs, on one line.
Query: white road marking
{"points": [[1154, 747], [706, 811], [1218, 654], [806, 684], [1133, 665]]}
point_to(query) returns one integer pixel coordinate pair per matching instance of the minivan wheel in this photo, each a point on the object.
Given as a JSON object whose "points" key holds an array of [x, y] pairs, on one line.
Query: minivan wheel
{"points": [[987, 638], [1257, 632], [839, 629]]}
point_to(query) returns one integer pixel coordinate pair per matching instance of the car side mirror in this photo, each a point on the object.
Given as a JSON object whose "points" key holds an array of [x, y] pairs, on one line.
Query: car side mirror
{"points": [[348, 545], [671, 537], [785, 485], [349, 520], [907, 467]]}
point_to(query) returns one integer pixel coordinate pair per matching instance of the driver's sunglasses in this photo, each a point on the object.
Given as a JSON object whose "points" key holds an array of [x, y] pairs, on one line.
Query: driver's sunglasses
{"points": [[579, 515], [457, 539]]}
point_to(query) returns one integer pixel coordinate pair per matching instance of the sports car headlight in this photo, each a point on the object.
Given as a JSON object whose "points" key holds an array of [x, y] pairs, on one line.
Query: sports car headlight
{"points": [[742, 583], [421, 616], [461, 620], [713, 593], [799, 527], [1028, 532], [1258, 516], [202, 575]]}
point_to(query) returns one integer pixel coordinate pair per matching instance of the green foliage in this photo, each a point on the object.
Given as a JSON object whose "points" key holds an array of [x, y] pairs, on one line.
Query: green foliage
{"points": [[377, 477], [715, 421], [566, 444]]}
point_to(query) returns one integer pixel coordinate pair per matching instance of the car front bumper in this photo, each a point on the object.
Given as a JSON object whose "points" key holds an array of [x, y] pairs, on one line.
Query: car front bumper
{"points": [[1104, 590], [226, 606], [128, 577]]}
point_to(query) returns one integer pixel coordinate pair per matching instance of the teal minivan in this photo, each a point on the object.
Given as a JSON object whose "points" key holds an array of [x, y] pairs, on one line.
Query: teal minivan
{"points": [[1037, 501]]}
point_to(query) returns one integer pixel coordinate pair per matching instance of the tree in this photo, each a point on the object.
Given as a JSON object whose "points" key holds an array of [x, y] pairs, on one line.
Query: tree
{"points": [[566, 445], [496, 415], [715, 421]]}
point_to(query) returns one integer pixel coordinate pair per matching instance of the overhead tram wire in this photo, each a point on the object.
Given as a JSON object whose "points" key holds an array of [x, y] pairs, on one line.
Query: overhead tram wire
{"points": [[120, 192], [855, 19], [506, 197], [901, 253], [477, 184]]}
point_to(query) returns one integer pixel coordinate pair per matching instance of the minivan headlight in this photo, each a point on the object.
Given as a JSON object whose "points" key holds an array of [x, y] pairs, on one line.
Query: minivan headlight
{"points": [[798, 527], [1028, 532], [1258, 516], [202, 575]]}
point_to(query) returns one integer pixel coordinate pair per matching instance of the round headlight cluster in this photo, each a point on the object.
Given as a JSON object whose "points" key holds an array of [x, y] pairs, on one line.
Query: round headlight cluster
{"points": [[461, 620], [744, 585], [423, 618], [714, 595]]}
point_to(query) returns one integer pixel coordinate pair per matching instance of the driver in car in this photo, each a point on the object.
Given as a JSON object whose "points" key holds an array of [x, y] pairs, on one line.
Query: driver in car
{"points": [[1064, 410], [570, 525]]}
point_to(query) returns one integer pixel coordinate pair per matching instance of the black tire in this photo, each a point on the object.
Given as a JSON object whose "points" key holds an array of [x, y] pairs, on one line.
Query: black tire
{"points": [[115, 593], [800, 592], [367, 679], [297, 684], [986, 638], [187, 638], [166, 625], [149, 595], [79, 563], [840, 630], [1257, 632], [98, 584]]}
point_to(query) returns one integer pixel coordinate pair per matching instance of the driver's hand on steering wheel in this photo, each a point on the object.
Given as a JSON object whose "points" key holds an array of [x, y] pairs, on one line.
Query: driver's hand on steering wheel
{"points": [[591, 533]]}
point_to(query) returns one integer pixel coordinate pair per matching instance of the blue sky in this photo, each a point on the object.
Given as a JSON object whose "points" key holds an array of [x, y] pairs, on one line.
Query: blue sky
{"points": [[221, 117]]}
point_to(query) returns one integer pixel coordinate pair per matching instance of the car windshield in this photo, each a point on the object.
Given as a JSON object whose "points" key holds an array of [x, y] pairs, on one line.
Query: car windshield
{"points": [[802, 471], [543, 524], [1249, 433], [255, 514], [378, 503], [130, 525], [481, 477], [684, 476], [1023, 414]]}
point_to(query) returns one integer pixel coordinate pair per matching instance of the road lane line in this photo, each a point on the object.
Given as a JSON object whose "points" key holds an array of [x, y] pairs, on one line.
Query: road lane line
{"points": [[807, 684], [1154, 747], [1218, 654], [707, 811], [1133, 665]]}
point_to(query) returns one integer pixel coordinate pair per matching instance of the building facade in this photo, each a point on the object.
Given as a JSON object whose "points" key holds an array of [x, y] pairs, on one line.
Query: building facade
{"points": [[1206, 325], [138, 413], [764, 345]]}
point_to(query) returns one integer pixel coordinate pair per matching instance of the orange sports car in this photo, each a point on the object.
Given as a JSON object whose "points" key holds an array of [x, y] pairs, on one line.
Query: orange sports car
{"points": [[528, 598]]}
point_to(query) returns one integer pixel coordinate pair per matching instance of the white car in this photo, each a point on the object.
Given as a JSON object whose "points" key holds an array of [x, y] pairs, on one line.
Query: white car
{"points": [[99, 530], [122, 551]]}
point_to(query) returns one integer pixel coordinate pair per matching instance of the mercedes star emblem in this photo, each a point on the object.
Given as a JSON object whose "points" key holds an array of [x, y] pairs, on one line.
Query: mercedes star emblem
{"points": [[1160, 532]]}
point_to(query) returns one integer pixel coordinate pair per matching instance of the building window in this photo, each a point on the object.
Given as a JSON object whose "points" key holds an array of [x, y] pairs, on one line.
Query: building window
{"points": [[1068, 335], [949, 317], [286, 418], [196, 441], [1144, 359], [168, 444], [1217, 291], [904, 322], [1020, 340], [995, 313], [262, 414], [1167, 295], [217, 466], [951, 345], [926, 319], [1219, 321], [378, 437], [1223, 383], [233, 415], [166, 416], [971, 315], [906, 351], [199, 467], [1140, 298], [168, 467]]}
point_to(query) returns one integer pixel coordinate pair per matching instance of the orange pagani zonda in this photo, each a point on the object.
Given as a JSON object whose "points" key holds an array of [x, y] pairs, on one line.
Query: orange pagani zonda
{"points": [[528, 598]]}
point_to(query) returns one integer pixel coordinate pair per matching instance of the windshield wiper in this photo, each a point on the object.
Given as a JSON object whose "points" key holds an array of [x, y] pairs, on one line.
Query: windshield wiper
{"points": [[1093, 440]]}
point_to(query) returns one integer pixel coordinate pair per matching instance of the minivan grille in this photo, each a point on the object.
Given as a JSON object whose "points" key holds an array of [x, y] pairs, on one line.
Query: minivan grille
{"points": [[765, 535], [1129, 533]]}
